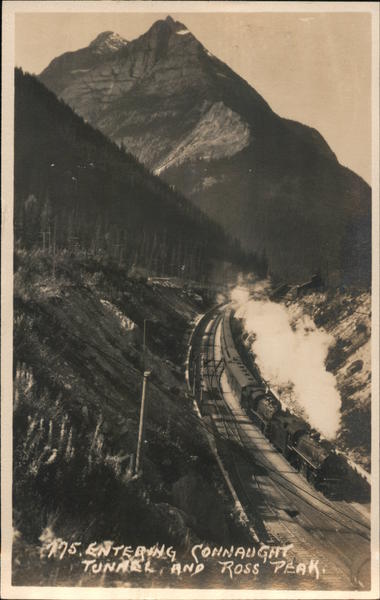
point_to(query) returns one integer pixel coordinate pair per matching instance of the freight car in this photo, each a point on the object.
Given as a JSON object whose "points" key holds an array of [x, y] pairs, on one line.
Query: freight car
{"points": [[315, 459]]}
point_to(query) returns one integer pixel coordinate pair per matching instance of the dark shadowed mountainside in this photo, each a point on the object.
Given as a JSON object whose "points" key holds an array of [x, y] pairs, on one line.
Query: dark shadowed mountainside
{"points": [[273, 183], [77, 190]]}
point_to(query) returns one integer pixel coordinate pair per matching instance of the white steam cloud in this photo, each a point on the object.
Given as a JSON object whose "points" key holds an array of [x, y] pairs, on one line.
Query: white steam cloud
{"points": [[291, 356]]}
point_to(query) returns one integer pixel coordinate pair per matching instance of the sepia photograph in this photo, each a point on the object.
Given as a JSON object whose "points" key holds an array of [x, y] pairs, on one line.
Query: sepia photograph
{"points": [[190, 281]]}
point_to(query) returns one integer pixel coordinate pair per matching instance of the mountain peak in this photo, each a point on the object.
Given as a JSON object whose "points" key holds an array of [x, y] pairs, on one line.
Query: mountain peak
{"points": [[108, 41], [170, 26]]}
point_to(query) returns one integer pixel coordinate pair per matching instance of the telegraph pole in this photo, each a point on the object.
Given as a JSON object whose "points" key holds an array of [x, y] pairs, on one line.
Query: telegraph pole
{"points": [[146, 375], [141, 425]]}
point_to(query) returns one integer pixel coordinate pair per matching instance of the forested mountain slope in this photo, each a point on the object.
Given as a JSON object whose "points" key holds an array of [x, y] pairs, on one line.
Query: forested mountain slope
{"points": [[75, 189]]}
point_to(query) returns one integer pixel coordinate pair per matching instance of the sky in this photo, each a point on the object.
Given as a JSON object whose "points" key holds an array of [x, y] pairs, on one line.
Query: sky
{"points": [[311, 67]]}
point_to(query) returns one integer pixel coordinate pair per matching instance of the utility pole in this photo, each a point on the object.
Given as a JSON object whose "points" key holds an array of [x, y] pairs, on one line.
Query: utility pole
{"points": [[141, 425]]}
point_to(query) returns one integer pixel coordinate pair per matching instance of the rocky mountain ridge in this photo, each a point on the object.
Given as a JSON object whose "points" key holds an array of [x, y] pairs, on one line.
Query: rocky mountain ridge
{"points": [[108, 41], [271, 182]]}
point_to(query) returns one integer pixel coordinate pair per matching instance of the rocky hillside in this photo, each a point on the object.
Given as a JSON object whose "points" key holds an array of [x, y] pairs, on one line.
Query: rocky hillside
{"points": [[78, 364], [91, 223], [273, 183], [347, 317]]}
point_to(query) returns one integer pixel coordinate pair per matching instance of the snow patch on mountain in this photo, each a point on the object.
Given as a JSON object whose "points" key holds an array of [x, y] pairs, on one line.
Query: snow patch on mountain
{"points": [[108, 41]]}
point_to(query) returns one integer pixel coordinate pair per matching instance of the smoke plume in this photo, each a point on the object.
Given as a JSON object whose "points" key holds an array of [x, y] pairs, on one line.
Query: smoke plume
{"points": [[290, 353]]}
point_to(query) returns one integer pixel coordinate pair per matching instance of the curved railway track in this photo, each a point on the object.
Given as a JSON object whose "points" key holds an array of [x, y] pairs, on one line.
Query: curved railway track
{"points": [[303, 520], [230, 443]]}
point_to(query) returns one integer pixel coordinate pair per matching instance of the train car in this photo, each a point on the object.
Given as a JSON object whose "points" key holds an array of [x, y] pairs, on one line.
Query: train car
{"points": [[284, 431], [310, 457], [252, 402], [267, 408], [339, 481], [328, 471], [241, 380], [262, 407], [228, 344]]}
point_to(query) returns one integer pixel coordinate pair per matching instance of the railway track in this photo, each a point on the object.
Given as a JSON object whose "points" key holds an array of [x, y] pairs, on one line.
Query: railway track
{"points": [[279, 510], [227, 431]]}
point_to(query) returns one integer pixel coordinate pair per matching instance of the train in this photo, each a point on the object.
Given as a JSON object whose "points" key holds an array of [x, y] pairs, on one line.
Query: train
{"points": [[316, 459]]}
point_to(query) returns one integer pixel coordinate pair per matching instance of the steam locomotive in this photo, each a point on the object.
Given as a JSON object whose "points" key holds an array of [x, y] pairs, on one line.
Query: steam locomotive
{"points": [[316, 459]]}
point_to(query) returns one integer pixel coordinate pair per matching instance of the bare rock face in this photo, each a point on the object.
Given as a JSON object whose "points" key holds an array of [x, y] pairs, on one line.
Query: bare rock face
{"points": [[270, 182], [219, 133], [141, 94], [73, 67]]}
